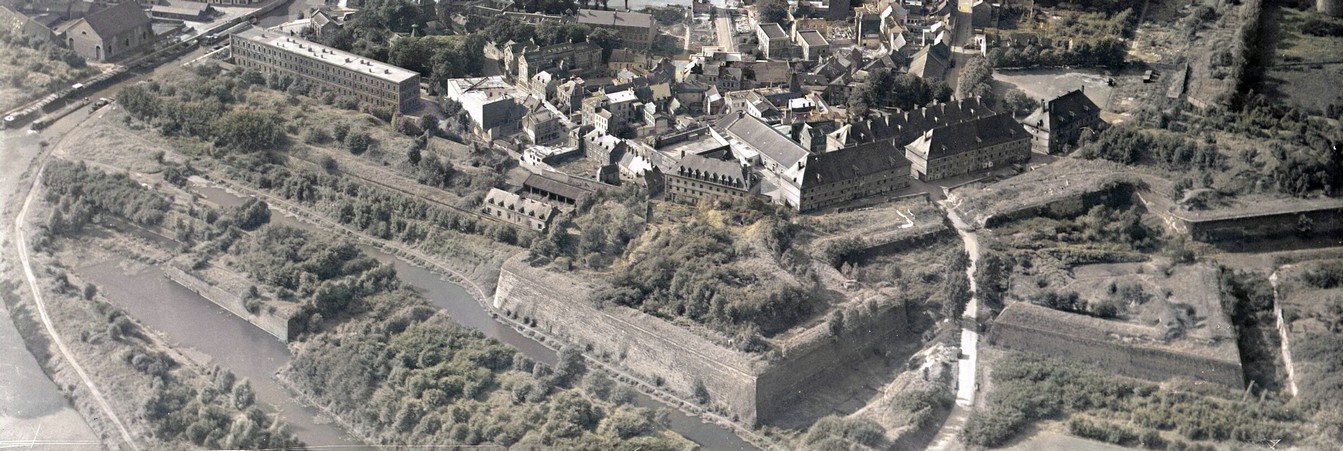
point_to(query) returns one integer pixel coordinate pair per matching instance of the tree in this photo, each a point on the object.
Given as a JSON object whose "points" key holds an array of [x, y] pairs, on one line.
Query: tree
{"points": [[243, 396], [699, 391], [976, 80], [606, 39], [1333, 169], [252, 215], [1017, 102], [550, 33], [570, 365], [836, 323], [90, 290], [412, 53], [413, 156], [248, 129], [358, 141], [775, 11]]}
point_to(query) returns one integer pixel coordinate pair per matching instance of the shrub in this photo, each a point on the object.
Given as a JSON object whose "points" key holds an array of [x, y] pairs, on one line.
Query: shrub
{"points": [[358, 141]]}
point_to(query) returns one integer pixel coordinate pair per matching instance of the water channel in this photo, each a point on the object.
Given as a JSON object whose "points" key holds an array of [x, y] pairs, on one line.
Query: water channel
{"points": [[192, 321]]}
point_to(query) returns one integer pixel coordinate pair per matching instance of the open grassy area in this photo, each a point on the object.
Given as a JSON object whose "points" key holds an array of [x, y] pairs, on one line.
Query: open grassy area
{"points": [[1303, 58]]}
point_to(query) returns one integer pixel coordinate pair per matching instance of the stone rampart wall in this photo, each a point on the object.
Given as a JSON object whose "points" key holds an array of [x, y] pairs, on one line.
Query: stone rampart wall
{"points": [[1113, 194], [1132, 361], [643, 344], [276, 324], [816, 361], [1321, 222], [751, 389]]}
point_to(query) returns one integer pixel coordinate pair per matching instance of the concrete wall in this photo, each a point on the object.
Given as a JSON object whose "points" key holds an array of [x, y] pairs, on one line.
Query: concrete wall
{"points": [[1115, 194], [900, 245], [1132, 361]]}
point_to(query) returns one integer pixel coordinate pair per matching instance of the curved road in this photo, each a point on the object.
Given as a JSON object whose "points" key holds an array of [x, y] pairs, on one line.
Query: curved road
{"points": [[21, 243]]}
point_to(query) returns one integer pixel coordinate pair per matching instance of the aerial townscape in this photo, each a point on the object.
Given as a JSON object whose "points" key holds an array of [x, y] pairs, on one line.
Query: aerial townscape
{"points": [[671, 225]]}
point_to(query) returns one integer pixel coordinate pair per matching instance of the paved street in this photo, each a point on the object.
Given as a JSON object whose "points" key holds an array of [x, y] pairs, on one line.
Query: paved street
{"points": [[724, 30]]}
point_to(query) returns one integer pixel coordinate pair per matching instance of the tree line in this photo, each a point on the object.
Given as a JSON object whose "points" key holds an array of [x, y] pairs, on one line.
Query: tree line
{"points": [[1029, 388], [79, 192], [885, 89], [204, 109]]}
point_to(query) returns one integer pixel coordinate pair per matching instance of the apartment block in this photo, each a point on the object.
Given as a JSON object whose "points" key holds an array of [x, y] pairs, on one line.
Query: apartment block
{"points": [[373, 82], [957, 149]]}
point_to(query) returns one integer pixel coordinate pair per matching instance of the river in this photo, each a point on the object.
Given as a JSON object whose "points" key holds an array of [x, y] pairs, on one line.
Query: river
{"points": [[465, 310], [32, 408]]}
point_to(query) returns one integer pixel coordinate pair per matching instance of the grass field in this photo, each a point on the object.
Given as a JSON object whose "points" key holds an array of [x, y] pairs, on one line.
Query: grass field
{"points": [[1303, 70]]}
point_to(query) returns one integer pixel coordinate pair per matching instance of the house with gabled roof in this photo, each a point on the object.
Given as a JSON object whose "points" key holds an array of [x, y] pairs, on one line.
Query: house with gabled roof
{"points": [[709, 176], [110, 33], [518, 210], [1060, 121], [931, 62], [964, 147]]}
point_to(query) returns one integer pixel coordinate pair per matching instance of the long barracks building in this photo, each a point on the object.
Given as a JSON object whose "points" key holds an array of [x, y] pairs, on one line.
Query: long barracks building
{"points": [[372, 82]]}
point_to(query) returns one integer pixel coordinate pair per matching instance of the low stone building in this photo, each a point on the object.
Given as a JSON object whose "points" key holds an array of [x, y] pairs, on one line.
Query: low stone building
{"points": [[110, 33], [709, 177], [559, 189], [965, 147], [515, 209], [1061, 121]]}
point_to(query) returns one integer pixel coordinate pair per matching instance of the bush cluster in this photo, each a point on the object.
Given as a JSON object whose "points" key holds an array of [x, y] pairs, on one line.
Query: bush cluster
{"points": [[80, 192], [689, 273], [1029, 388]]}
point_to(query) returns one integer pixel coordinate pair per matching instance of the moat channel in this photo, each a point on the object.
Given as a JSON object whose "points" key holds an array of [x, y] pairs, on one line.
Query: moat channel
{"points": [[193, 321]]}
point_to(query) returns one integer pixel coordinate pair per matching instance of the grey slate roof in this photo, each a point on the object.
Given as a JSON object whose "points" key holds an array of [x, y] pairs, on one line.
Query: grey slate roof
{"points": [[965, 136], [771, 144], [853, 162], [617, 18], [931, 62], [562, 184], [723, 172], [1068, 107], [114, 21]]}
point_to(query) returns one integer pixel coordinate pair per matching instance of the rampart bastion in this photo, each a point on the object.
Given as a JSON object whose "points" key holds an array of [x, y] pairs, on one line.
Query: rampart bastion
{"points": [[753, 389]]}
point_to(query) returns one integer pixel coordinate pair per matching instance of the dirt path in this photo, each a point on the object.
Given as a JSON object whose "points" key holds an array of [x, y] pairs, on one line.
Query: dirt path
{"points": [[21, 243], [966, 390]]}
